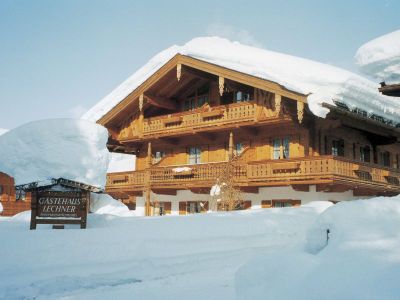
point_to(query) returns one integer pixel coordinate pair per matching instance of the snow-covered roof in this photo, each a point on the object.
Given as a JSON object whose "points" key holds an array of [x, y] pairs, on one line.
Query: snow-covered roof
{"points": [[380, 57], [324, 82], [3, 131]]}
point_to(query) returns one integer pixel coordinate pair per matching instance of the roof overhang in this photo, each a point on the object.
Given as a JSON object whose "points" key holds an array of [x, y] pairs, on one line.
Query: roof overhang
{"points": [[131, 102]]}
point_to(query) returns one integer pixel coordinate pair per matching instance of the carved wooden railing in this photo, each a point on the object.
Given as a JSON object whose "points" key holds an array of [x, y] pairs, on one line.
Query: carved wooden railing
{"points": [[263, 172], [131, 178], [196, 119]]}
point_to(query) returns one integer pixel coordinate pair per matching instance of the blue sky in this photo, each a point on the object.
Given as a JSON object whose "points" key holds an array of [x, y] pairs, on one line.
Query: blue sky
{"points": [[58, 58]]}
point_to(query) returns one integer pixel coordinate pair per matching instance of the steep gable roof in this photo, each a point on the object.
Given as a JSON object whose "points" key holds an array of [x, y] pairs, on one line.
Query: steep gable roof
{"points": [[323, 82]]}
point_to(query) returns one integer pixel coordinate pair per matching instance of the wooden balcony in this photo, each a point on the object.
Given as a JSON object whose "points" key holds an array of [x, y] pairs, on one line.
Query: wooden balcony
{"points": [[223, 116], [321, 170]]}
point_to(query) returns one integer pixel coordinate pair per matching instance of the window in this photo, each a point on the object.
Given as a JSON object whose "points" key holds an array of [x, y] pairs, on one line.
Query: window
{"points": [[338, 147], [238, 149], [194, 155], [285, 203], [285, 143], [158, 156], [190, 104], [197, 99], [277, 145], [365, 154], [193, 207], [385, 158], [242, 96], [202, 100], [277, 149]]}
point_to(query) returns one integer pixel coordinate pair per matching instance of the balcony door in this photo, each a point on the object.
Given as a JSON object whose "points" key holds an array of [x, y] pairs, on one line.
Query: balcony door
{"points": [[194, 155]]}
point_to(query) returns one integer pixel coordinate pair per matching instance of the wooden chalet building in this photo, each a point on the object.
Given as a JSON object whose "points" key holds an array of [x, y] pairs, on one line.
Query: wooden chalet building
{"points": [[184, 121]]}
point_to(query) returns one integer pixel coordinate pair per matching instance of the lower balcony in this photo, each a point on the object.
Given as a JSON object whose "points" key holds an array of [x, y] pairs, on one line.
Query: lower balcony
{"points": [[328, 173]]}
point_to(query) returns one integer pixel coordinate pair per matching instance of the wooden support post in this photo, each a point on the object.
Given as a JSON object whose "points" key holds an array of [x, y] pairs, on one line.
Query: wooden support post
{"points": [[141, 115], [278, 100], [178, 71], [141, 100], [33, 210], [230, 153], [300, 111], [148, 183], [149, 155], [221, 85]]}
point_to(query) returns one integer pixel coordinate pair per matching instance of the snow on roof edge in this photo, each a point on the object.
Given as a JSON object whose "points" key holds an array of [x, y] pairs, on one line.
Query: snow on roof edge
{"points": [[323, 82]]}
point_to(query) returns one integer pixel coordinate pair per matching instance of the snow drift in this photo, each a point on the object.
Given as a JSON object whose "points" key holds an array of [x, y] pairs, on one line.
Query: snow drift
{"points": [[105, 204], [360, 260], [73, 149], [277, 253], [325, 83], [380, 58]]}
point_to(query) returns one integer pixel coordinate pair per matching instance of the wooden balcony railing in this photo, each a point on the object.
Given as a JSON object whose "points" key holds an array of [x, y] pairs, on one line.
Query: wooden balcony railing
{"points": [[263, 173], [196, 119]]}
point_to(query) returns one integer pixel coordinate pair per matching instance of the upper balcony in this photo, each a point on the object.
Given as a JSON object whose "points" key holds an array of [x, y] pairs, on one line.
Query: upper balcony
{"points": [[202, 119], [324, 171]]}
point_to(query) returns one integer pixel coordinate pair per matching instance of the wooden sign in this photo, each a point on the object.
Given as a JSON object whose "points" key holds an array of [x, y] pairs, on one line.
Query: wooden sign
{"points": [[59, 207]]}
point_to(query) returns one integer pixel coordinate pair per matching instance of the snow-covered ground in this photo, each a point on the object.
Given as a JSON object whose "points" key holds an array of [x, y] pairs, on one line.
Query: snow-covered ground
{"points": [[323, 82], [73, 149], [380, 58], [278, 253]]}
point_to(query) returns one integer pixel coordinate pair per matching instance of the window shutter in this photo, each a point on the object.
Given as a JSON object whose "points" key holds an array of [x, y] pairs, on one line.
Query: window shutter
{"points": [[182, 208], [167, 208]]}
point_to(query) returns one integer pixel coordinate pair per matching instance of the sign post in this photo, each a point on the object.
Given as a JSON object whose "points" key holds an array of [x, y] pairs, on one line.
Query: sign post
{"points": [[60, 201], [59, 207]]}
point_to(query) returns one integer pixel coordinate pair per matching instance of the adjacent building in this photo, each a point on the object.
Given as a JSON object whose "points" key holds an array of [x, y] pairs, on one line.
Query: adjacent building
{"points": [[12, 202]]}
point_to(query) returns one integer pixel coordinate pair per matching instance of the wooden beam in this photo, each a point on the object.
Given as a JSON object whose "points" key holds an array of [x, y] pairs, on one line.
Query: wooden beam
{"points": [[161, 102], [250, 130], [169, 141], [208, 136], [301, 187], [200, 190], [181, 85], [194, 85], [249, 189], [171, 192]]}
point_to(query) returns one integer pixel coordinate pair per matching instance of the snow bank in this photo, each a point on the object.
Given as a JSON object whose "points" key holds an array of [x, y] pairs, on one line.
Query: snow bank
{"points": [[3, 131], [380, 58], [105, 204], [73, 149], [323, 81], [142, 258], [120, 162], [361, 259]]}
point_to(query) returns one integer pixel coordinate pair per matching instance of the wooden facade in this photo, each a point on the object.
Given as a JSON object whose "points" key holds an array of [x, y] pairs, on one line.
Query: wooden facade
{"points": [[179, 123], [11, 201]]}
